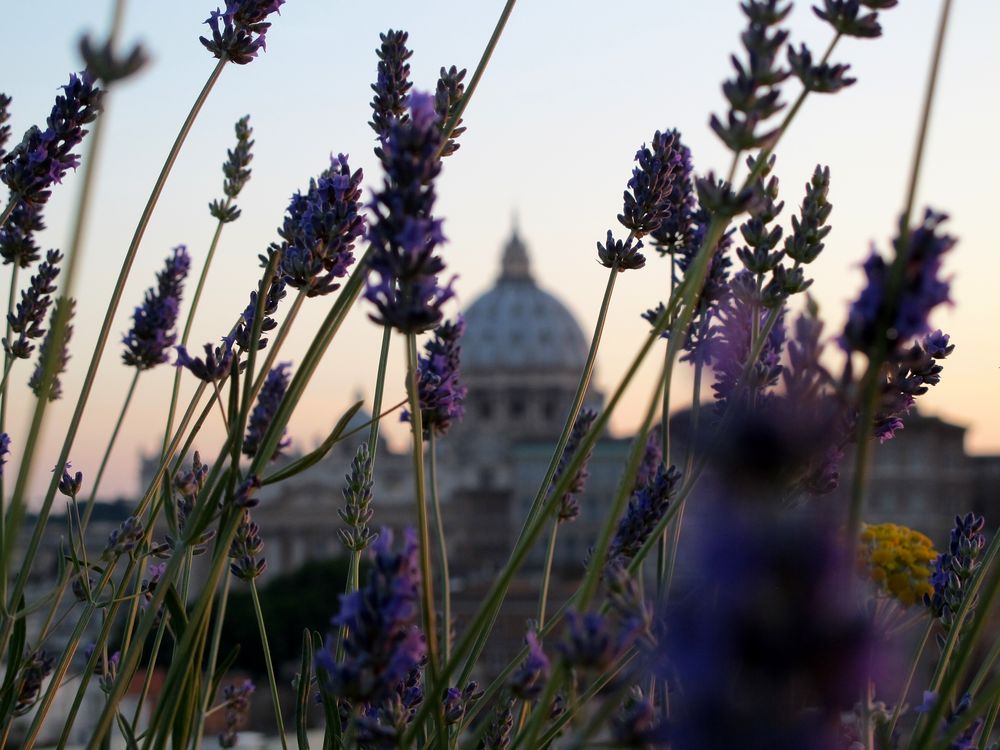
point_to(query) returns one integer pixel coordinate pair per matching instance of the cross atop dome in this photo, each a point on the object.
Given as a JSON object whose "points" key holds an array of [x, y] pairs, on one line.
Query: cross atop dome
{"points": [[515, 264]]}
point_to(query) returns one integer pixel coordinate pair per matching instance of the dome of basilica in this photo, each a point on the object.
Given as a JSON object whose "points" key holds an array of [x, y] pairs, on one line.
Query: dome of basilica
{"points": [[518, 326]]}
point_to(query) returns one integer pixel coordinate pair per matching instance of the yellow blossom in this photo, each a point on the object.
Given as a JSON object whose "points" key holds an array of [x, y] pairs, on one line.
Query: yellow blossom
{"points": [[896, 559]]}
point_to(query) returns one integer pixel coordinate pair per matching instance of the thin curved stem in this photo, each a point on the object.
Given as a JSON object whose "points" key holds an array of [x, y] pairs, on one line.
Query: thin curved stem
{"points": [[8, 362], [443, 549], [58, 331], [89, 510], [267, 662], [550, 554]]}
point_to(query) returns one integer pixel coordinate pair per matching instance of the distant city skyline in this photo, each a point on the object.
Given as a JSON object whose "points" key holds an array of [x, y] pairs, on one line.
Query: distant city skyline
{"points": [[551, 134]]}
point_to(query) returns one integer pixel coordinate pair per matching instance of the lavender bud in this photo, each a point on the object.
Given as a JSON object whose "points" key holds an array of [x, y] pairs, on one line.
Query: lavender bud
{"points": [[271, 394], [647, 202], [357, 511], [569, 504], [846, 17], [216, 365], [106, 66], [529, 679], [34, 669], [440, 393], [244, 328], [236, 699], [153, 333], [4, 127], [17, 235], [63, 308], [621, 255], [645, 509], [676, 228], [393, 84], [242, 31], [236, 170], [4, 450], [447, 100], [498, 735], [824, 78], [124, 539], [30, 313], [70, 484], [245, 550], [246, 493], [593, 642]]}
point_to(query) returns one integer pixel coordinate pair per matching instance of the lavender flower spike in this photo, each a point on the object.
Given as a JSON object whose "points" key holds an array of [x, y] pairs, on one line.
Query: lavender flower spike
{"points": [[569, 504], [152, 333], [266, 408], [921, 291], [357, 511], [62, 357], [403, 284], [243, 29], [441, 395], [646, 199], [70, 484], [383, 642], [529, 679], [320, 229], [43, 157], [4, 450], [645, 509], [4, 127], [236, 169], [214, 367], [393, 83], [27, 320], [237, 702], [17, 235]]}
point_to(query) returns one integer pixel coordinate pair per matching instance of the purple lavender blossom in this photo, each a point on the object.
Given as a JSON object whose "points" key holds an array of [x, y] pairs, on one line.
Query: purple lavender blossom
{"points": [[27, 320], [822, 78], [447, 100], [357, 511], [246, 493], [214, 367], [147, 589], [440, 392], [805, 242], [676, 229], [320, 228], [382, 724], [4, 127], [637, 725], [236, 170], [652, 458], [848, 17], [911, 373], [44, 156], [779, 614], [498, 735], [646, 201], [152, 334], [393, 83], [70, 484], [457, 702], [17, 235], [922, 290], [594, 641], [106, 64], [569, 503], [731, 339], [124, 539], [243, 29], [268, 401], [4, 450], [620, 254], [383, 642], [236, 699], [35, 667], [244, 328], [63, 308], [645, 509], [245, 550], [528, 680], [403, 284], [952, 571]]}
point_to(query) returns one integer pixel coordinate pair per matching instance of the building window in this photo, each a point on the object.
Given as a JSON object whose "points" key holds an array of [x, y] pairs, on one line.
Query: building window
{"points": [[517, 407], [485, 409]]}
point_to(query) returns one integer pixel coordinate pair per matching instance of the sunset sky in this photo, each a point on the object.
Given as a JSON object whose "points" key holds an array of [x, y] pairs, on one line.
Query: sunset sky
{"points": [[572, 91]]}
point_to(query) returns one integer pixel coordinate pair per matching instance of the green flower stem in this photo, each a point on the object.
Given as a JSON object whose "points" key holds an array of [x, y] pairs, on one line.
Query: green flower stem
{"points": [[267, 661], [991, 720], [100, 652], [541, 710], [959, 643], [58, 333], [894, 284], [423, 529], [8, 362], [89, 510], [189, 322], [476, 75], [213, 658], [550, 553], [443, 547], [540, 495], [147, 679], [383, 359], [914, 663], [69, 651], [484, 616]]}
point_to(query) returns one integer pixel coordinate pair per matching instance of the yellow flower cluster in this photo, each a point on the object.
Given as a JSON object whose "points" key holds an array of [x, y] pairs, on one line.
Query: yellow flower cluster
{"points": [[897, 560]]}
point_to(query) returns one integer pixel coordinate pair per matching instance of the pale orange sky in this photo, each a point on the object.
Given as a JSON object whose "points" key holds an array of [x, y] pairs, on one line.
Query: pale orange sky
{"points": [[552, 131]]}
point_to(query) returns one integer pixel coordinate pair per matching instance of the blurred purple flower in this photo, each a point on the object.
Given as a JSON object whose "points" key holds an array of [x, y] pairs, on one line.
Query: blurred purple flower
{"points": [[528, 680], [569, 503], [236, 699], [63, 307], [383, 643]]}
